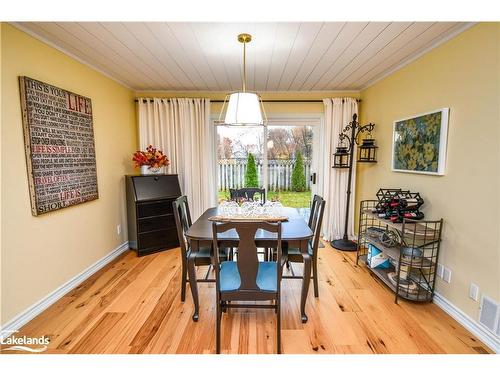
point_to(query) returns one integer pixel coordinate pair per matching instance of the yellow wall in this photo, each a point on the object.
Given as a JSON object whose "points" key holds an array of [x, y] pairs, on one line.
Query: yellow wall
{"points": [[464, 75], [41, 253]]}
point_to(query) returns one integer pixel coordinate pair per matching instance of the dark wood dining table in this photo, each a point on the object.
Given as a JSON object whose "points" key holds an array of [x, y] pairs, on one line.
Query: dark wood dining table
{"points": [[295, 233]]}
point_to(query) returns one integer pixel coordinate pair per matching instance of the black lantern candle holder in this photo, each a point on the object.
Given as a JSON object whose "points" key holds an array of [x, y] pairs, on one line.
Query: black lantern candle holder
{"points": [[343, 158], [367, 151]]}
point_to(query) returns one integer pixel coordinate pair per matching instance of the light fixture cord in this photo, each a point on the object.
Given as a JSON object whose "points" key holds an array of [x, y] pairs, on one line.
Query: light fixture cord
{"points": [[244, 67]]}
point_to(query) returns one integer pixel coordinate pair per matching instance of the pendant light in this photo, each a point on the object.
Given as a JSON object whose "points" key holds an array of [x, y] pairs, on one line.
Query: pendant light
{"points": [[243, 108]]}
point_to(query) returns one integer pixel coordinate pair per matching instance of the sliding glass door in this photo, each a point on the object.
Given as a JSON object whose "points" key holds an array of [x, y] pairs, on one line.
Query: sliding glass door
{"points": [[280, 157]]}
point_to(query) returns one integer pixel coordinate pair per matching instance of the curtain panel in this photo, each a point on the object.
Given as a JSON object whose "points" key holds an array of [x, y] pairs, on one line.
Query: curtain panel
{"points": [[180, 127], [338, 113]]}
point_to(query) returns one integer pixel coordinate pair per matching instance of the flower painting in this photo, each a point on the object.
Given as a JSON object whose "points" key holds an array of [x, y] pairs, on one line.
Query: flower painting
{"points": [[419, 143]]}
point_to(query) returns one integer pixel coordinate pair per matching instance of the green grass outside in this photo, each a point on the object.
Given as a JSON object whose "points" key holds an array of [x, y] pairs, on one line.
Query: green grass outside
{"points": [[287, 198]]}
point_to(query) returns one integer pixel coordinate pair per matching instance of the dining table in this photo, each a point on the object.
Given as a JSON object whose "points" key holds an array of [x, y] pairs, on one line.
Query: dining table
{"points": [[295, 233]]}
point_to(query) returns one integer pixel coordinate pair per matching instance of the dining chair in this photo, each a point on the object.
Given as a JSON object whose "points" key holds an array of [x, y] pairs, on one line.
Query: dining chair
{"points": [[247, 193], [204, 255], [247, 279], [293, 255]]}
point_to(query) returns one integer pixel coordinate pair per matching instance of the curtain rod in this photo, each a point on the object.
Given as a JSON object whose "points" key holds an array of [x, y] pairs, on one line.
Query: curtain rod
{"points": [[265, 101]]}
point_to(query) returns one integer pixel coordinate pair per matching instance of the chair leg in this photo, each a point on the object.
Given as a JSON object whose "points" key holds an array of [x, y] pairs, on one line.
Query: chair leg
{"points": [[218, 328], [184, 280], [193, 285], [315, 277], [278, 324]]}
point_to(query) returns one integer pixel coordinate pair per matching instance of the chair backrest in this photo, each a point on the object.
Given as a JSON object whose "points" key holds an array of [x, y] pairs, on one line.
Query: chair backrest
{"points": [[247, 193], [316, 219], [182, 221], [247, 261]]}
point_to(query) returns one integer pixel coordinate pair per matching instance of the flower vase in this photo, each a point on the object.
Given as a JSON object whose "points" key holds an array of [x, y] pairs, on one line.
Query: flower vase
{"points": [[146, 169], [154, 170]]}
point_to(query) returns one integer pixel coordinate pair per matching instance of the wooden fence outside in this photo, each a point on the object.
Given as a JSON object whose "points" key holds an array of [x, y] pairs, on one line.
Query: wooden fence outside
{"points": [[231, 173]]}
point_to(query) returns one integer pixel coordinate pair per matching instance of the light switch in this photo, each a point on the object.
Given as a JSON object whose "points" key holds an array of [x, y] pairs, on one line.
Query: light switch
{"points": [[447, 275], [440, 270], [474, 292]]}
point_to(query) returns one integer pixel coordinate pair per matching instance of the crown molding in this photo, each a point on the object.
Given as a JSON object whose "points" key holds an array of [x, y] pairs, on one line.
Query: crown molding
{"points": [[418, 54], [73, 56]]}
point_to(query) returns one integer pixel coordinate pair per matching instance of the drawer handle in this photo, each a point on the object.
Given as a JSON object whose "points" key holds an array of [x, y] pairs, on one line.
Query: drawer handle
{"points": [[157, 178]]}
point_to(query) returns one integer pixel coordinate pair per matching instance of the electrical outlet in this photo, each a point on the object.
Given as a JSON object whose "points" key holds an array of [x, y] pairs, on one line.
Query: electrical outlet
{"points": [[447, 275], [474, 292], [118, 229], [440, 270]]}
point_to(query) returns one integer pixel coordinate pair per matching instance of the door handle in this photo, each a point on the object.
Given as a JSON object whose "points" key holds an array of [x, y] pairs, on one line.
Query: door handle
{"points": [[313, 178]]}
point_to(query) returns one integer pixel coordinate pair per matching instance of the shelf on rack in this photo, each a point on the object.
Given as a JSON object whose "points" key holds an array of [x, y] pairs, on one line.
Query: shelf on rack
{"points": [[394, 253], [420, 229], [422, 294], [391, 252]]}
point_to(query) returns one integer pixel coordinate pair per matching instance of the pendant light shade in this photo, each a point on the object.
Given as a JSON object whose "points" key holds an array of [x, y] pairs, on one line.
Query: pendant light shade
{"points": [[244, 109]]}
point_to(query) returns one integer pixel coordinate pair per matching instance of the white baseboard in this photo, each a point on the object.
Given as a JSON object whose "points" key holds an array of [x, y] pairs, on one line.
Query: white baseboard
{"points": [[476, 328], [20, 320]]}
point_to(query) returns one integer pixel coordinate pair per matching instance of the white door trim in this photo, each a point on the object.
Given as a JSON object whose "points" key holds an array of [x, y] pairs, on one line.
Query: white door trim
{"points": [[316, 119]]}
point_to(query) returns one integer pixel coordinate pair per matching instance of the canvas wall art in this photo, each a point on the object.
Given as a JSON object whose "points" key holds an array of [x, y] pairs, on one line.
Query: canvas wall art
{"points": [[419, 143], [59, 146]]}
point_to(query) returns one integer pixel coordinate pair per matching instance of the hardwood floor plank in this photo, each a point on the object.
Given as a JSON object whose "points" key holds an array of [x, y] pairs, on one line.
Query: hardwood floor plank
{"points": [[154, 320], [99, 335], [445, 332], [133, 306], [84, 292], [296, 341], [61, 318], [105, 300], [168, 336]]}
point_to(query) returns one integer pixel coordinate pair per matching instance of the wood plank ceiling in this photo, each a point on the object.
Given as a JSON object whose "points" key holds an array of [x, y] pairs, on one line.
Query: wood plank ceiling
{"points": [[281, 57]]}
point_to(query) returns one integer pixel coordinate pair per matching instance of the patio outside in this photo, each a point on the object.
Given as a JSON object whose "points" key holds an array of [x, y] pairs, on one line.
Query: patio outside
{"points": [[241, 163]]}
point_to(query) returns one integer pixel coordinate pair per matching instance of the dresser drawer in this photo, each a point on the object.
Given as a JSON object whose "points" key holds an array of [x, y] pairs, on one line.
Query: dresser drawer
{"points": [[158, 239], [147, 209], [155, 223]]}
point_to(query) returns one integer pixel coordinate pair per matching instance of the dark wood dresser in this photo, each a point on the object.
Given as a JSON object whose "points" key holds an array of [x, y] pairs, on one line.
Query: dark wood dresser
{"points": [[151, 223]]}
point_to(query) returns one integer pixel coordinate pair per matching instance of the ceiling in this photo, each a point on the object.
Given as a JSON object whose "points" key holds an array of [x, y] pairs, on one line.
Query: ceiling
{"points": [[289, 56]]}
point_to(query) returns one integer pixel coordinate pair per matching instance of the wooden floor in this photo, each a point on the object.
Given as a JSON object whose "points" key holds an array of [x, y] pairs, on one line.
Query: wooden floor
{"points": [[133, 306]]}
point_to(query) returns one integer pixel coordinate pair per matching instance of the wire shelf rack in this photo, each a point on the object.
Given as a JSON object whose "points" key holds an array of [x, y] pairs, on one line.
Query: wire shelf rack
{"points": [[413, 259]]}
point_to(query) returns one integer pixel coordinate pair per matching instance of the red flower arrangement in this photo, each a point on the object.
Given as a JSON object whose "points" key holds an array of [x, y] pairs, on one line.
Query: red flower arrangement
{"points": [[152, 157]]}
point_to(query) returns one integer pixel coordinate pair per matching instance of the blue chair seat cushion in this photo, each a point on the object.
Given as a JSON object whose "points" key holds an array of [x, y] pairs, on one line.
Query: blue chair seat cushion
{"points": [[266, 276]]}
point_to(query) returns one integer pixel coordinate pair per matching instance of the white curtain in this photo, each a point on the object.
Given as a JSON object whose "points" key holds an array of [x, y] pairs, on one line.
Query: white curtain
{"points": [[181, 128], [338, 113]]}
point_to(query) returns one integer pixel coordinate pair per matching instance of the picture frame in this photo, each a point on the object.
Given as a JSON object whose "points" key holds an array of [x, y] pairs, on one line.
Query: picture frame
{"points": [[419, 143], [59, 146]]}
